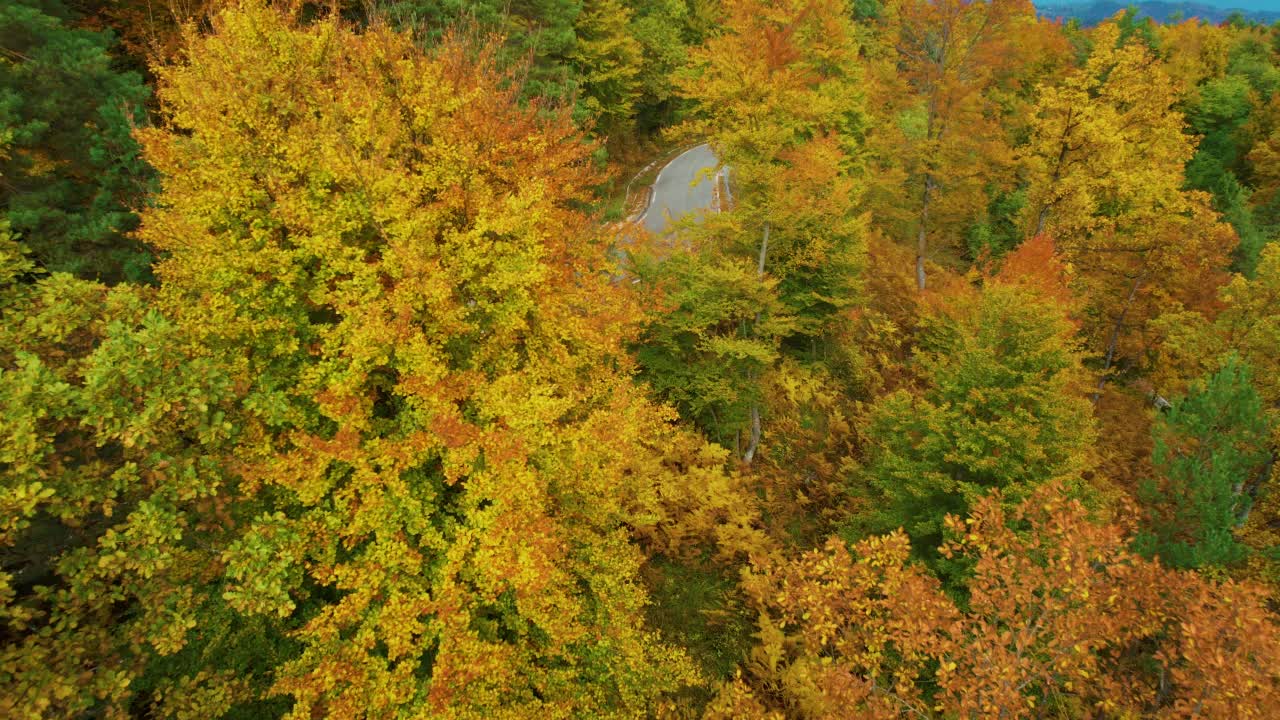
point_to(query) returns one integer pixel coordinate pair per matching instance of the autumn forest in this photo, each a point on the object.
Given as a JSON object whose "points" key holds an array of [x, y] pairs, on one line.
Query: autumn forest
{"points": [[340, 379]]}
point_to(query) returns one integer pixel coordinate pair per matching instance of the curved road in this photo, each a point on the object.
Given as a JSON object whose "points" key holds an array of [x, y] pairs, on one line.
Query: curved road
{"points": [[675, 193]]}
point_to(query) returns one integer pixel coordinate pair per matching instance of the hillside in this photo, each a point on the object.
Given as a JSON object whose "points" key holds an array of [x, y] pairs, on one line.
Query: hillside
{"points": [[1095, 12], [637, 360]]}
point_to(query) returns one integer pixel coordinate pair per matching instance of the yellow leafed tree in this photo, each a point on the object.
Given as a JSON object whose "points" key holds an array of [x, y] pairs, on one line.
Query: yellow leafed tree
{"points": [[1105, 166], [376, 428]]}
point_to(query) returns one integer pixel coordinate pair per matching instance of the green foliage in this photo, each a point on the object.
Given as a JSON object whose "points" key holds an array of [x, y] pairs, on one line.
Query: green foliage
{"points": [[613, 60], [1252, 59], [607, 61], [1231, 200], [714, 329], [1000, 406], [113, 447], [664, 30], [70, 172], [1001, 230], [1219, 116], [866, 10], [1208, 450], [539, 35], [1138, 29], [702, 607]]}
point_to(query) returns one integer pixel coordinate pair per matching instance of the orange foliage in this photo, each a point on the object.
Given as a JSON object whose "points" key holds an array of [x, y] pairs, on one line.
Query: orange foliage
{"points": [[1061, 615], [1037, 266], [940, 136]]}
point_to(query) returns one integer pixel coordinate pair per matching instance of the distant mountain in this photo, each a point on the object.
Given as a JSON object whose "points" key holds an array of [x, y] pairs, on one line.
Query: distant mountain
{"points": [[1095, 12]]}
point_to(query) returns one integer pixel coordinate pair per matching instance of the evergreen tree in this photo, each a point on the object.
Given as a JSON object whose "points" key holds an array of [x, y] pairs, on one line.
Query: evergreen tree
{"points": [[1209, 448], [538, 35], [1222, 108], [70, 170]]}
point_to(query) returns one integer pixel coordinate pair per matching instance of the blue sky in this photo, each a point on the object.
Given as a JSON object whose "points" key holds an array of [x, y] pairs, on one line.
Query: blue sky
{"points": [[1245, 4]]}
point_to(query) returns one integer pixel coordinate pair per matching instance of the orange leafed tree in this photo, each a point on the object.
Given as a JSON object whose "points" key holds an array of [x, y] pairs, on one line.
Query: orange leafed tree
{"points": [[939, 105], [1059, 617], [1037, 266]]}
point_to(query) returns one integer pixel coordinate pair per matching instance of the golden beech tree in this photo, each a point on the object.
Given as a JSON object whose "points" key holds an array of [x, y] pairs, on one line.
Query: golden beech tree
{"points": [[1059, 617], [1105, 166], [372, 448], [1193, 52], [939, 106], [776, 97], [389, 248]]}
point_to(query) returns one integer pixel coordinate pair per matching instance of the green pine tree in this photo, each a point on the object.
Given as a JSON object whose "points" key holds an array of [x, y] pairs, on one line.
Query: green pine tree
{"points": [[1208, 449], [70, 170]]}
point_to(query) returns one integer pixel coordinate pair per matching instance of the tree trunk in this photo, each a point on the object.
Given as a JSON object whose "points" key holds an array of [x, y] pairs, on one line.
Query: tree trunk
{"points": [[754, 441], [1044, 215], [1063, 146], [1114, 340], [1252, 490], [764, 251], [922, 237]]}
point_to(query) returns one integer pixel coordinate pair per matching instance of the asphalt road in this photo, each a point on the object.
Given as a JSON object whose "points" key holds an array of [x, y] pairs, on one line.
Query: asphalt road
{"points": [[674, 192]]}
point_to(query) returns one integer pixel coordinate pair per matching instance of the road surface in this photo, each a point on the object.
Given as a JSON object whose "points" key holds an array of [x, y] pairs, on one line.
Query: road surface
{"points": [[674, 192]]}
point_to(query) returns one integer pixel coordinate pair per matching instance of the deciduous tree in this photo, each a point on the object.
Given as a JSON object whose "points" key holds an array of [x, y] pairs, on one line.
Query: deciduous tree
{"points": [[1001, 405], [1105, 164], [714, 325], [776, 96], [373, 442], [1059, 615], [941, 123], [784, 113], [390, 245]]}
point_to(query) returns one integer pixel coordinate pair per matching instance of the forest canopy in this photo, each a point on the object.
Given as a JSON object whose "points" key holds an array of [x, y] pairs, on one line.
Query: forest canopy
{"points": [[341, 378]]}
